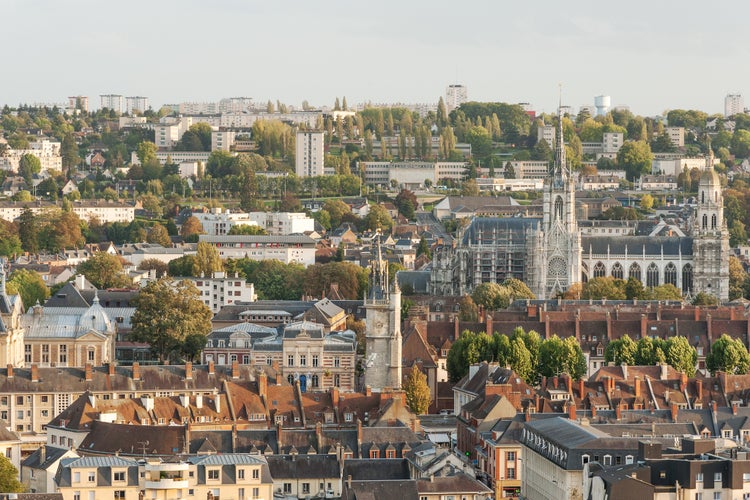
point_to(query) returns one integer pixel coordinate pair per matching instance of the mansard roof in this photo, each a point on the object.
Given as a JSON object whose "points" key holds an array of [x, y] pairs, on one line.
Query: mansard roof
{"points": [[636, 245]]}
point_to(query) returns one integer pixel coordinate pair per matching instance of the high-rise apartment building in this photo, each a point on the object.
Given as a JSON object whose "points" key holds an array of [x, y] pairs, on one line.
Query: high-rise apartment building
{"points": [[733, 104], [455, 95], [111, 101], [310, 149], [136, 104], [79, 102]]}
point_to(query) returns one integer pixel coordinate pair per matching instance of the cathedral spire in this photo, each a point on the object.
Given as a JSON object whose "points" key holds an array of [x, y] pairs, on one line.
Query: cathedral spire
{"points": [[561, 168], [710, 156]]}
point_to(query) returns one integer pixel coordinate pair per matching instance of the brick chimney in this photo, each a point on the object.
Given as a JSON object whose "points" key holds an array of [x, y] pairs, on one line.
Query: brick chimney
{"points": [[674, 409], [555, 381], [368, 390], [111, 368], [279, 436], [527, 416], [637, 387], [581, 388], [34, 373], [10, 370], [456, 329], [319, 434], [618, 412], [235, 370], [683, 381], [188, 371], [714, 407], [697, 313], [263, 385], [571, 410], [211, 369], [538, 403], [488, 325], [734, 408], [136, 371], [593, 411], [335, 396], [644, 326], [89, 372], [699, 389]]}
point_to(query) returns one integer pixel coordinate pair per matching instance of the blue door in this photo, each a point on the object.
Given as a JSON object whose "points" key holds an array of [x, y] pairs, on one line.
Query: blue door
{"points": [[303, 383]]}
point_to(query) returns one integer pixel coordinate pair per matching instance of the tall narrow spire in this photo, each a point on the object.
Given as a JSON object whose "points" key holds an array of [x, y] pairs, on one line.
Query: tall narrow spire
{"points": [[710, 156], [561, 167]]}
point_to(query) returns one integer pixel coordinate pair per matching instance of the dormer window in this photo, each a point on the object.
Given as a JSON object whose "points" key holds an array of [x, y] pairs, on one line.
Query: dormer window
{"points": [[348, 417]]}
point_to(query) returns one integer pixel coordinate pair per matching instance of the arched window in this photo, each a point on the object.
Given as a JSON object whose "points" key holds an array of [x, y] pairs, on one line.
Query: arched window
{"points": [[713, 221], [290, 379], [670, 274], [687, 278], [315, 380], [617, 271], [635, 272], [599, 270], [558, 208], [652, 275], [705, 221], [703, 197]]}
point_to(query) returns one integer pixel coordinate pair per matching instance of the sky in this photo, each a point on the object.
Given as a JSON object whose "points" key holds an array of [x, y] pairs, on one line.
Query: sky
{"points": [[649, 55]]}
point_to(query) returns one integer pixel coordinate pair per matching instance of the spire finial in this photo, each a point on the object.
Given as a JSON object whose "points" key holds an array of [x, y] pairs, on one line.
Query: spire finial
{"points": [[560, 168], [96, 297], [710, 157]]}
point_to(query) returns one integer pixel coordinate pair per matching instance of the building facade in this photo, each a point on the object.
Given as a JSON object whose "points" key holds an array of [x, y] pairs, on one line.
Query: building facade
{"points": [[455, 95], [733, 104], [310, 148]]}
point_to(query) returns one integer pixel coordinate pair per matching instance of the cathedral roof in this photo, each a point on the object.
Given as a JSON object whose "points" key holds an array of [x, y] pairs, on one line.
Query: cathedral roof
{"points": [[637, 245], [483, 228]]}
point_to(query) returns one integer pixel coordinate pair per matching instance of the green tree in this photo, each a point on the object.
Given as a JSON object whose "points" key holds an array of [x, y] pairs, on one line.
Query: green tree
{"points": [[182, 266], [378, 218], [417, 391], [161, 268], [680, 355], [705, 299], [28, 231], [247, 230], [728, 355], [158, 235], [166, 313], [337, 209], [737, 278], [9, 482], [467, 309], [635, 157], [10, 243], [192, 345], [621, 351], [146, 152], [69, 152], [28, 166], [519, 359], [406, 202], [207, 260], [29, 285], [647, 202], [604, 287], [649, 352], [558, 356], [104, 270], [423, 248]]}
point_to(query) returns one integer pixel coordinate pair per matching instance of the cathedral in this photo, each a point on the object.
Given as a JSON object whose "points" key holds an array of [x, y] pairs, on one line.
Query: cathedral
{"points": [[554, 252]]}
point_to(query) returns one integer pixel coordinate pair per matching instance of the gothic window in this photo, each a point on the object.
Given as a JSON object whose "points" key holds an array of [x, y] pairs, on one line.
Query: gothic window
{"points": [[670, 274], [599, 270], [558, 208], [635, 272], [713, 221], [652, 275], [705, 221], [687, 278], [617, 271]]}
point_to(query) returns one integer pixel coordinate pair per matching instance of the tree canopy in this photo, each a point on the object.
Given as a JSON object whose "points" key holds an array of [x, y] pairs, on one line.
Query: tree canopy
{"points": [[728, 355], [104, 270], [417, 391]]}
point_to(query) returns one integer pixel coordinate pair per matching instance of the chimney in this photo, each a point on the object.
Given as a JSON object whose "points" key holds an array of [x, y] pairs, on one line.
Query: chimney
{"points": [[538, 403], [593, 411], [217, 402], [136, 371], [211, 369], [699, 389], [359, 433], [664, 371], [34, 373], [42, 454], [335, 396], [368, 390], [544, 382], [581, 388], [235, 370], [199, 400], [263, 385], [624, 368], [349, 481], [618, 412], [637, 387], [709, 329], [10, 370], [184, 400], [644, 326], [674, 409], [555, 382], [456, 329], [111, 368], [148, 403], [571, 410], [188, 371], [89, 373], [488, 325], [683, 381], [714, 406], [319, 434], [527, 416], [279, 436], [734, 407]]}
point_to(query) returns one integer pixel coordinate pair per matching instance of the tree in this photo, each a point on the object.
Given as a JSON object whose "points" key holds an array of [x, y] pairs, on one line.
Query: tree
{"points": [[635, 157], [10, 243], [378, 218], [207, 260], [166, 313], [417, 391], [621, 351], [681, 356], [104, 270], [247, 229], [146, 152], [161, 268], [28, 166], [29, 285], [406, 202], [467, 309], [423, 248], [604, 287], [728, 355], [337, 209], [647, 202], [158, 235], [192, 346], [558, 356], [705, 299], [28, 231], [191, 228], [470, 188], [737, 278], [9, 482], [519, 359]]}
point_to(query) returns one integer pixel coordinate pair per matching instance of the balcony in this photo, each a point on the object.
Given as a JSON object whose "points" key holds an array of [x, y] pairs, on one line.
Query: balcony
{"points": [[167, 484]]}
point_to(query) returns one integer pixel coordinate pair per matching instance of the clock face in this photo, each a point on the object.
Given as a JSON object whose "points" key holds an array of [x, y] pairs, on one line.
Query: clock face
{"points": [[557, 267]]}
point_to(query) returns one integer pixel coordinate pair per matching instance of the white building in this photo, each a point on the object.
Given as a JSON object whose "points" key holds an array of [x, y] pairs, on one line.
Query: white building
{"points": [[612, 142], [111, 101], [177, 157], [411, 174], [283, 223], [104, 211], [287, 249], [676, 136], [455, 95], [222, 140], [733, 104], [221, 290], [498, 184], [136, 104], [546, 132], [79, 102], [168, 132], [217, 222], [530, 169], [309, 153], [48, 153]]}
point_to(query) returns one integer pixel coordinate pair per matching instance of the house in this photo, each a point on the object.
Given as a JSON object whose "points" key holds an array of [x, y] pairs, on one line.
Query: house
{"points": [[345, 234], [39, 469], [304, 475], [69, 187]]}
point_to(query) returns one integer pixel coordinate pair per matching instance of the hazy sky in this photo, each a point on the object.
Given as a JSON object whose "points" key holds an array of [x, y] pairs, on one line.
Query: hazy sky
{"points": [[649, 55]]}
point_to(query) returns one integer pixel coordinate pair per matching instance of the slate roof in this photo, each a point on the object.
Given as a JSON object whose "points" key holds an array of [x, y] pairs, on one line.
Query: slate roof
{"points": [[375, 470], [51, 455], [636, 245], [304, 466], [505, 229]]}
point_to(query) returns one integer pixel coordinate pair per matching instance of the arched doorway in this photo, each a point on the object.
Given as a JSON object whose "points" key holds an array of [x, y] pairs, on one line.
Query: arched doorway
{"points": [[303, 383]]}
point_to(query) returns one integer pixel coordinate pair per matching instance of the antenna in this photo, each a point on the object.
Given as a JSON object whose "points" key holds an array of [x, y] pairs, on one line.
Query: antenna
{"points": [[143, 446]]}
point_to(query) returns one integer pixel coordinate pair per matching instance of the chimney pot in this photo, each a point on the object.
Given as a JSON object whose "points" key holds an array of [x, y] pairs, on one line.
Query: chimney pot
{"points": [[211, 368], [111, 368], [188, 371], [10, 371], [34, 373], [235, 370], [136, 371], [89, 372]]}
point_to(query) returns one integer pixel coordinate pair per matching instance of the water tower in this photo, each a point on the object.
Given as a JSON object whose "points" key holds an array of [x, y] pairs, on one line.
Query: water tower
{"points": [[602, 104]]}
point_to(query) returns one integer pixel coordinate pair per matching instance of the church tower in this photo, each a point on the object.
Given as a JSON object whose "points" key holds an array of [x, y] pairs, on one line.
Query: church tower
{"points": [[710, 236], [561, 263], [382, 327]]}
